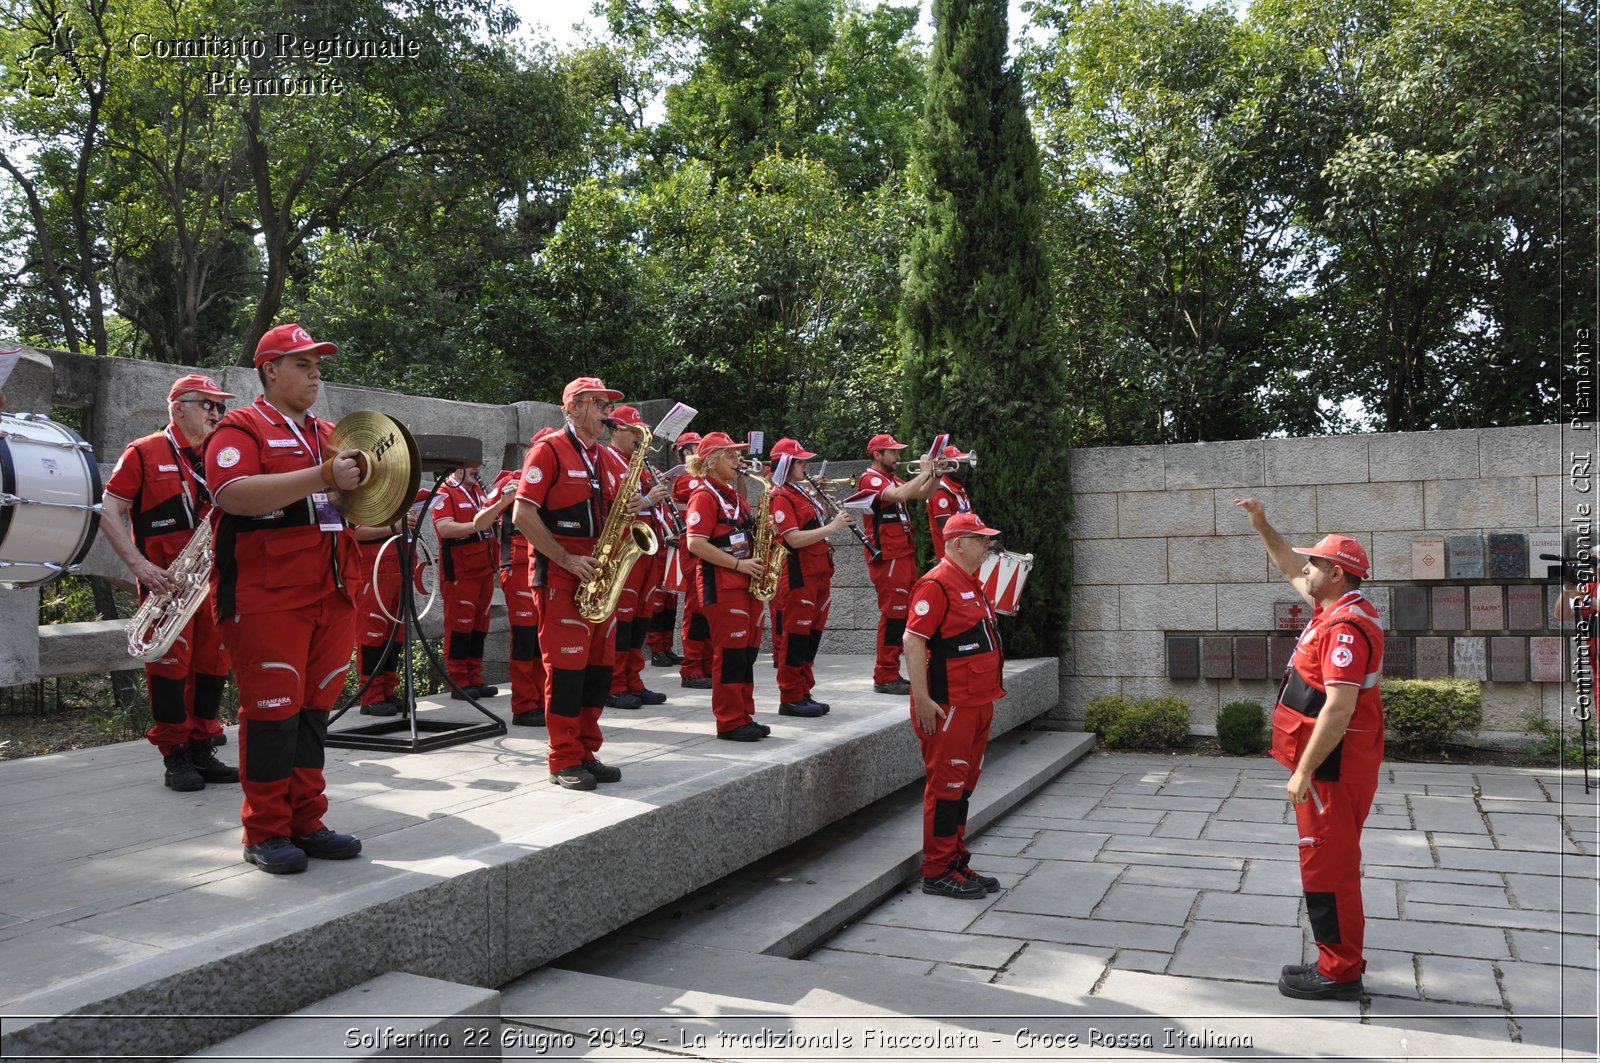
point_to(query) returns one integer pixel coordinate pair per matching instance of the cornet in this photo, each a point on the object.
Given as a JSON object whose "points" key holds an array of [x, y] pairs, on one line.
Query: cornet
{"points": [[941, 465]]}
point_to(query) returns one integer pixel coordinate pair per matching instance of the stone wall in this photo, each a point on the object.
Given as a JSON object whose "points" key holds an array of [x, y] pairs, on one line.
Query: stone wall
{"points": [[1161, 553]]}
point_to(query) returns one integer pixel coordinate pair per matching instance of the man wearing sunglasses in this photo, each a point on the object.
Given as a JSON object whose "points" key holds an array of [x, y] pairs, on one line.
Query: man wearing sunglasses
{"points": [[155, 499]]}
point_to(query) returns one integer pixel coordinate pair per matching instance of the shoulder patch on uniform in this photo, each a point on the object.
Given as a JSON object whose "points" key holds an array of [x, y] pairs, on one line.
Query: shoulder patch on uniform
{"points": [[778, 516], [438, 503], [921, 608], [694, 518], [944, 503], [535, 475], [228, 457], [873, 481], [1346, 638], [1342, 656]]}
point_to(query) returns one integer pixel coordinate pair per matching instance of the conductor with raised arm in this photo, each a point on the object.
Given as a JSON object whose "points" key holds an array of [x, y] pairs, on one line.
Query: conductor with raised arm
{"points": [[1327, 729]]}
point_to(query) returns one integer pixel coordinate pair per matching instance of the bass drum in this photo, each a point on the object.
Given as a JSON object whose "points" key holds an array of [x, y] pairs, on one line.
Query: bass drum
{"points": [[49, 500]]}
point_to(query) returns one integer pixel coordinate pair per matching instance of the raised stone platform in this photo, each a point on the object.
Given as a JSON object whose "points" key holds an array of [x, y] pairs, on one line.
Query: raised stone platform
{"points": [[127, 908]]}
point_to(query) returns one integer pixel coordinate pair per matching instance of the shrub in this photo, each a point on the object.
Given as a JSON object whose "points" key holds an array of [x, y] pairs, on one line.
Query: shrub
{"points": [[1149, 723], [1558, 742], [1424, 715], [1242, 728]]}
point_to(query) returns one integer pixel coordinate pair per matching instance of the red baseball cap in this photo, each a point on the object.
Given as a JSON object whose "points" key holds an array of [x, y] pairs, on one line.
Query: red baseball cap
{"points": [[547, 430], [792, 448], [687, 439], [883, 441], [952, 451], [1341, 550], [289, 338], [588, 383], [712, 442], [197, 382], [627, 417], [967, 524]]}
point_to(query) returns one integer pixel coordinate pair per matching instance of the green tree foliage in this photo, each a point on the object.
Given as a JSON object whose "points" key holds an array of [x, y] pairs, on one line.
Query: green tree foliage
{"points": [[975, 321]]}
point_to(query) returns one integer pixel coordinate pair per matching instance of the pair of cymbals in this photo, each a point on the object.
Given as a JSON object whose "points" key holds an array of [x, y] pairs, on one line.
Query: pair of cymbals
{"points": [[393, 468]]}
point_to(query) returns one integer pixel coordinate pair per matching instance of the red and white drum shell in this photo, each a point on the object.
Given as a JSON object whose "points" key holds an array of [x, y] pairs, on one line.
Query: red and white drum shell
{"points": [[1003, 576]]}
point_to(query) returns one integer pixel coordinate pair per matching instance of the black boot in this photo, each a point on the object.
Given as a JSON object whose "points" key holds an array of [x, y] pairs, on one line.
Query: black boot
{"points": [[181, 774]]}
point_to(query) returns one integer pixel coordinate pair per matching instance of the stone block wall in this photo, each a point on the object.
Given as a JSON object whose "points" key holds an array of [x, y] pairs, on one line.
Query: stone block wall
{"points": [[1160, 552]]}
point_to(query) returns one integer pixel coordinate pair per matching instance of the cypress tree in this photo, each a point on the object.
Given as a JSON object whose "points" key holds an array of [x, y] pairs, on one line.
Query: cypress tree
{"points": [[975, 316]]}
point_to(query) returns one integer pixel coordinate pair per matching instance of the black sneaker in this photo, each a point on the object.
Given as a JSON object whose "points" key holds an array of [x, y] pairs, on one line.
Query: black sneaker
{"points": [[602, 772], [463, 694], [181, 773], [205, 761], [1314, 985], [696, 682], [989, 883], [484, 690], [823, 705], [623, 701], [765, 730], [573, 778], [747, 732], [1297, 969], [380, 708], [801, 708], [276, 856], [665, 659], [650, 697], [221, 740], [898, 686], [528, 719], [954, 884], [326, 844]]}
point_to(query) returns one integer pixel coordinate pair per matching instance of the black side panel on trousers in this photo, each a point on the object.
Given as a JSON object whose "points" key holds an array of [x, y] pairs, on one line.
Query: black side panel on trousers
{"points": [[311, 738], [666, 619], [208, 695], [797, 650], [566, 691], [269, 749], [816, 641], [699, 627], [460, 646], [1328, 770], [1324, 912], [392, 661], [894, 631], [596, 685], [624, 633], [372, 657], [966, 800], [524, 643], [641, 631], [479, 638], [739, 665], [946, 817], [167, 700]]}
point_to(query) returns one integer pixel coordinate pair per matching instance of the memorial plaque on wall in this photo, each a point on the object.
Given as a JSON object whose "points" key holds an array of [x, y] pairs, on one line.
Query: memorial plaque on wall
{"points": [[1524, 607], [1410, 608], [1487, 608], [1279, 650], [1183, 657], [1466, 556], [1216, 657], [1544, 659], [1470, 659], [1432, 654], [1542, 543], [1291, 616], [1379, 597], [1397, 657], [1508, 659], [1428, 557], [1250, 657], [1508, 555], [1449, 608]]}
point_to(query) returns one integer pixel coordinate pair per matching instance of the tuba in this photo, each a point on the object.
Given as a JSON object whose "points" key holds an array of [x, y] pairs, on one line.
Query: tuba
{"points": [[162, 617], [769, 549], [622, 542]]}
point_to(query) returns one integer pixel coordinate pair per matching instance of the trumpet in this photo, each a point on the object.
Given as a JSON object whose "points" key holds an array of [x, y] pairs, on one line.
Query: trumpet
{"points": [[941, 465]]}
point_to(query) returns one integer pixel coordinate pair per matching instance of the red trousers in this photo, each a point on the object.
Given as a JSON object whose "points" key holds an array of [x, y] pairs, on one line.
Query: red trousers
{"points": [[1330, 854], [377, 636], [186, 685], [735, 622], [633, 623], [522, 609], [795, 642], [893, 581], [953, 758], [578, 656], [466, 623], [663, 620], [696, 637], [290, 668]]}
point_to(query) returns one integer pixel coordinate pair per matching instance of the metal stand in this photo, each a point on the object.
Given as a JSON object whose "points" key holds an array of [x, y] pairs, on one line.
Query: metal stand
{"points": [[421, 735]]}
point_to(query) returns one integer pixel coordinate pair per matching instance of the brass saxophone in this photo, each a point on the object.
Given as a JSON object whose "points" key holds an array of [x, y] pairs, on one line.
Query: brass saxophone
{"points": [[161, 617], [622, 542], [769, 549]]}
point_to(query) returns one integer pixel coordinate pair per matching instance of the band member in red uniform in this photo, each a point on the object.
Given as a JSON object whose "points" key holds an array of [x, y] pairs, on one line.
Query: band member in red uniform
{"points": [[380, 631], [805, 590], [888, 527], [160, 483], [720, 532], [949, 498], [569, 484], [664, 603], [469, 555], [522, 611], [1327, 729], [956, 663], [694, 671], [286, 612], [633, 622]]}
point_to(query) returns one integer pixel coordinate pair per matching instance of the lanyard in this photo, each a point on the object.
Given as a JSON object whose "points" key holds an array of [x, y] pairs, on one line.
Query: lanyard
{"points": [[203, 494], [296, 428], [594, 477], [731, 511]]}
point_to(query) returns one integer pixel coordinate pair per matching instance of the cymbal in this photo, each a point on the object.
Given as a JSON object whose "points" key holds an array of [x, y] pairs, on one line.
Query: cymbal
{"points": [[393, 469]]}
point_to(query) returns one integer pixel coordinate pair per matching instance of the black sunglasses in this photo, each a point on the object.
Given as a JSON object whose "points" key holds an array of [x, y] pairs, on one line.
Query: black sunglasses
{"points": [[208, 404]]}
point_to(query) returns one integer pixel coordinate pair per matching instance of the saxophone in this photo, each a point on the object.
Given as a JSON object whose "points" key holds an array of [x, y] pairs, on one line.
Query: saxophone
{"points": [[622, 542], [161, 617], [769, 549]]}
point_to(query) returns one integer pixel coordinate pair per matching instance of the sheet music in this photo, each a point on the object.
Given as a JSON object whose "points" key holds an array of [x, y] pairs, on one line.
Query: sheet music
{"points": [[861, 501], [758, 443], [673, 424], [780, 470], [939, 442]]}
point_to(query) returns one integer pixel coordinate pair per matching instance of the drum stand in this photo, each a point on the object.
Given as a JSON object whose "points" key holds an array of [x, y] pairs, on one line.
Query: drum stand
{"points": [[421, 735]]}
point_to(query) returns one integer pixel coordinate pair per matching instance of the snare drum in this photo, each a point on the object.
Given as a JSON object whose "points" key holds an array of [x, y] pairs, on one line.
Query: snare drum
{"points": [[676, 579], [49, 500], [1003, 576]]}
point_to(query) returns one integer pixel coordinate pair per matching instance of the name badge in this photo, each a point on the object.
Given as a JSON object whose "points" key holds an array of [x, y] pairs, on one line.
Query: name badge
{"points": [[166, 468], [579, 473], [281, 443], [328, 518], [739, 544], [968, 594]]}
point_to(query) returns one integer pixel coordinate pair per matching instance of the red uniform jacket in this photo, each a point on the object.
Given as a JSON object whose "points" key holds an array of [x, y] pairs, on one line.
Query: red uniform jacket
{"points": [[888, 525], [1342, 645], [573, 487], [965, 658], [950, 498], [794, 510], [465, 556], [157, 476], [718, 512]]}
